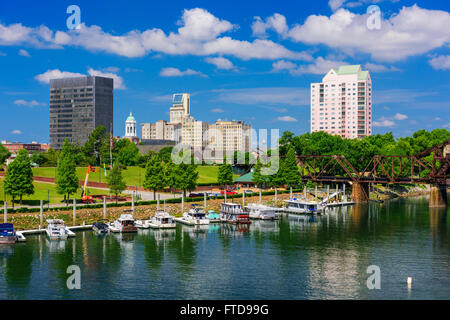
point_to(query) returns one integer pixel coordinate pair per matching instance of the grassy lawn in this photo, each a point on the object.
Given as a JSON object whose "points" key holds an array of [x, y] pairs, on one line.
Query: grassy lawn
{"points": [[207, 174], [41, 191]]}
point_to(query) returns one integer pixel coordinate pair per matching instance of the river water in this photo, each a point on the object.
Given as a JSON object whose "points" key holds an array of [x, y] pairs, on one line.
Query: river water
{"points": [[298, 257]]}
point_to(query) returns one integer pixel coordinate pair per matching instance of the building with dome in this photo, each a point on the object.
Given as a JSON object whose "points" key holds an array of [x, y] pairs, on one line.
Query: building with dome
{"points": [[130, 129]]}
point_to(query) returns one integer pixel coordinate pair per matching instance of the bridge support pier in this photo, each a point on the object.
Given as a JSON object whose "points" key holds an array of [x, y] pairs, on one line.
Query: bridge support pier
{"points": [[438, 196], [360, 192]]}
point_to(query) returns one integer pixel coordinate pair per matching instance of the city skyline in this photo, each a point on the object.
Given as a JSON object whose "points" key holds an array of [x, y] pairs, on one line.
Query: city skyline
{"points": [[254, 65]]}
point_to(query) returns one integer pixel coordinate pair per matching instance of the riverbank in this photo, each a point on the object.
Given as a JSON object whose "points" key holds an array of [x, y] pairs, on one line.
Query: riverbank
{"points": [[395, 191], [89, 216]]}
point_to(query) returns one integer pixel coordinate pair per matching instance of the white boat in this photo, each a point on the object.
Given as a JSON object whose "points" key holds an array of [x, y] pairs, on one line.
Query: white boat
{"points": [[301, 206], [56, 229], [162, 220], [261, 212], [194, 217], [125, 223]]}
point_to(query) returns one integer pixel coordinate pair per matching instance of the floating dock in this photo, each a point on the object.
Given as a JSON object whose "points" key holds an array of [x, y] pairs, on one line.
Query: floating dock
{"points": [[21, 235]]}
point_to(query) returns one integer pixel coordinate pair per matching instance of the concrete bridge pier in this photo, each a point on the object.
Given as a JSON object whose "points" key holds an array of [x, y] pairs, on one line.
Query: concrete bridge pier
{"points": [[438, 196], [360, 192]]}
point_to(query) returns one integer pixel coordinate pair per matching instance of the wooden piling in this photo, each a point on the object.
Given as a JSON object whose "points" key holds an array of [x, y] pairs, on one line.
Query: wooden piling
{"points": [[41, 214], [74, 211], [104, 207]]}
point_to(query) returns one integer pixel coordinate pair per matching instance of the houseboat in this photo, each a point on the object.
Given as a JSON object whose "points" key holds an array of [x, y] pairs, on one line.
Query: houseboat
{"points": [[194, 217], [125, 223], [7, 233], [261, 212], [302, 206], [233, 213], [56, 229]]}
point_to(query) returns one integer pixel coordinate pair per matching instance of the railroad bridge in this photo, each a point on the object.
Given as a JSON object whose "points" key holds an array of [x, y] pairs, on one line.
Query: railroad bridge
{"points": [[431, 166]]}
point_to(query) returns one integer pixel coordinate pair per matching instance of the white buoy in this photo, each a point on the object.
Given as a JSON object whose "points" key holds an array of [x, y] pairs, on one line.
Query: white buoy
{"points": [[409, 281]]}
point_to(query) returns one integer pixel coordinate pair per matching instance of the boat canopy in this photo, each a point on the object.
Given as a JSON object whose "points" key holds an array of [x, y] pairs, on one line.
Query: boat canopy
{"points": [[6, 226], [126, 217], [55, 221]]}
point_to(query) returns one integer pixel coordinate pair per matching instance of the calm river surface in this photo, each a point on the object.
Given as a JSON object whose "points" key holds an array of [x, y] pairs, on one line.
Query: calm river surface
{"points": [[295, 258]]}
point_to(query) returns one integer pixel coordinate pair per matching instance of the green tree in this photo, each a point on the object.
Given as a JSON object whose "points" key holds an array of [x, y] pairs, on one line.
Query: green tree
{"points": [[66, 176], [154, 175], [4, 154], [115, 181], [98, 141], [257, 177], [186, 176], [128, 155], [290, 169], [19, 176], [170, 178], [225, 174], [276, 179]]}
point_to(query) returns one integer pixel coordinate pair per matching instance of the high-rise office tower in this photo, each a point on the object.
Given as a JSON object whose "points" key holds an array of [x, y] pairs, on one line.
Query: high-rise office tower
{"points": [[342, 103], [181, 106], [77, 106]]}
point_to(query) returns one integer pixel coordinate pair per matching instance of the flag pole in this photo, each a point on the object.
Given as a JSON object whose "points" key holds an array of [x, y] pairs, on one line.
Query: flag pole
{"points": [[111, 144]]}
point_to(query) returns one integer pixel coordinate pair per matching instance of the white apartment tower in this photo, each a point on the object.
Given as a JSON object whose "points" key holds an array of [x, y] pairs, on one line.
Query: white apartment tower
{"points": [[342, 103], [181, 106]]}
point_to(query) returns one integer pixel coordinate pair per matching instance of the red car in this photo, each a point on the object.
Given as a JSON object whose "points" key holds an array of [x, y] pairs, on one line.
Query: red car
{"points": [[229, 192]]}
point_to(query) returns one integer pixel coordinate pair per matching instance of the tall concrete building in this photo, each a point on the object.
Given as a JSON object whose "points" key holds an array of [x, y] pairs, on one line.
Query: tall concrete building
{"points": [[342, 103], [230, 136], [161, 130], [77, 106], [194, 133], [181, 106]]}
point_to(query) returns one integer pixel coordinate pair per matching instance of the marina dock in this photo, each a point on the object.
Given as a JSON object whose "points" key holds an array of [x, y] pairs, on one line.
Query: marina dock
{"points": [[21, 235]]}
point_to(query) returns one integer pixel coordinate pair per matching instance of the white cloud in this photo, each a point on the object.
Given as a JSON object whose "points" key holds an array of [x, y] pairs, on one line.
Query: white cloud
{"points": [[320, 66], [200, 33], [335, 4], [58, 74], [379, 67], [277, 22], [384, 123], [17, 34], [55, 74], [217, 110], [175, 72], [220, 63], [287, 119], [400, 116], [268, 96], [440, 62], [16, 132], [32, 103], [412, 31], [118, 80], [24, 53], [283, 65]]}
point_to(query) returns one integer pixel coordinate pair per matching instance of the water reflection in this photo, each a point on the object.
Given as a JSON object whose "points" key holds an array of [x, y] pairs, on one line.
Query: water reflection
{"points": [[296, 257]]}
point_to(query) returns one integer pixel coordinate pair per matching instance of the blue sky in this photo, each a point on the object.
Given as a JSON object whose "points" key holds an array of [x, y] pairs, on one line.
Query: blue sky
{"points": [[238, 59]]}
